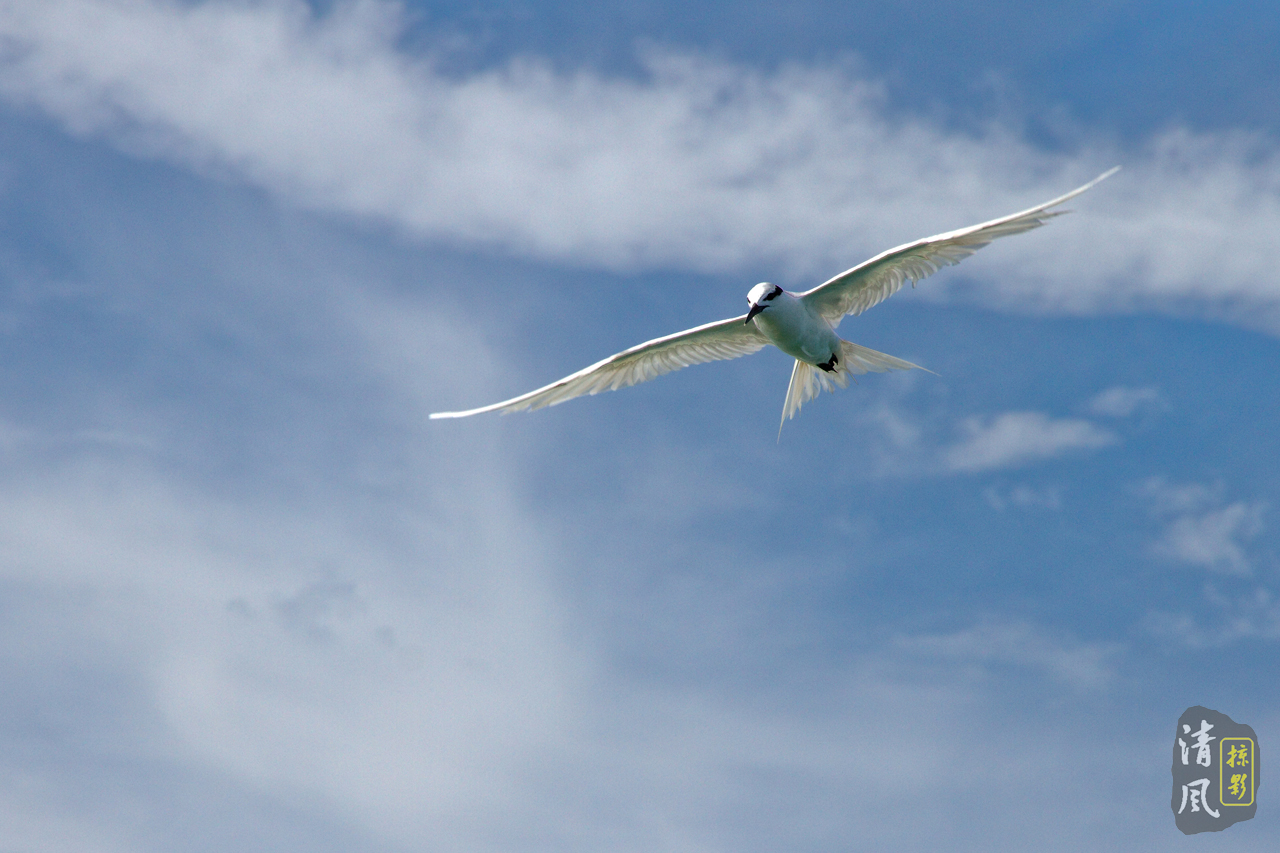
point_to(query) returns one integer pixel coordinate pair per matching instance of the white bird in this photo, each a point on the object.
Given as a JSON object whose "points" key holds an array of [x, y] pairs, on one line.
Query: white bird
{"points": [[800, 324]]}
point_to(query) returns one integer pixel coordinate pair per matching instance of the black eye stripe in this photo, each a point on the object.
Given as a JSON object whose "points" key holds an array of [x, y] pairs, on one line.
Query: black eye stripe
{"points": [[772, 294]]}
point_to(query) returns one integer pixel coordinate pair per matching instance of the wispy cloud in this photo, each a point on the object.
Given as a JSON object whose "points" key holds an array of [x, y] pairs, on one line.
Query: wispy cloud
{"points": [[1122, 402], [1200, 530], [905, 441], [1249, 614], [1023, 497], [995, 643], [701, 164], [405, 694], [289, 652], [1170, 499], [1213, 539], [1016, 438]]}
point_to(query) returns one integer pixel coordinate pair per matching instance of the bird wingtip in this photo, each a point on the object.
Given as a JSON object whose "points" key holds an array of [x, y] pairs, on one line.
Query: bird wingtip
{"points": [[1102, 177]]}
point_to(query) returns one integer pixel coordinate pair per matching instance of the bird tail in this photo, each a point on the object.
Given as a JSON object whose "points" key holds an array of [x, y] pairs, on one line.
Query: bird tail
{"points": [[808, 380]]}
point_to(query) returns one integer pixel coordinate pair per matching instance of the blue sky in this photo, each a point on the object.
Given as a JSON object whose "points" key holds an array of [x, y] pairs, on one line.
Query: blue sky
{"points": [[250, 598]]}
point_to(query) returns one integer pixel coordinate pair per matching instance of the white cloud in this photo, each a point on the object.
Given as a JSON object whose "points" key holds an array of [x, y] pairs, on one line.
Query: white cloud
{"points": [[1122, 402], [1016, 438], [905, 441], [1214, 539], [701, 164], [1200, 530]]}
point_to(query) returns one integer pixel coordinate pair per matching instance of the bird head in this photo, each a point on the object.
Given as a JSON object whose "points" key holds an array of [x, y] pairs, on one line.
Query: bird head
{"points": [[759, 296]]}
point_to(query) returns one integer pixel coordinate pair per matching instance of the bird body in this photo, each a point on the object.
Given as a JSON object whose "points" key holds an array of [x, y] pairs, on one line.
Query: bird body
{"points": [[792, 326], [802, 325]]}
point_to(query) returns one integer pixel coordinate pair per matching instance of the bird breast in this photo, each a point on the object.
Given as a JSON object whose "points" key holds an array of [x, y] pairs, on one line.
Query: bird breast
{"points": [[793, 328]]}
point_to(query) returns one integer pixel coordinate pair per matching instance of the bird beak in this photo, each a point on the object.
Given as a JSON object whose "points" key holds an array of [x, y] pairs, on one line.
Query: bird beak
{"points": [[755, 309]]}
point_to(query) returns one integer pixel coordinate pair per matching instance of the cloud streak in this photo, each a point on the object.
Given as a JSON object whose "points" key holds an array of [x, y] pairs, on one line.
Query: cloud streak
{"points": [[700, 164], [1016, 438], [994, 643]]}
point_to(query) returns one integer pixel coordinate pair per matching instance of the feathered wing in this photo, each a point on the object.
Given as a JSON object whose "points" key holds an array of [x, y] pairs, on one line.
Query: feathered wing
{"points": [[808, 381], [714, 341], [871, 282]]}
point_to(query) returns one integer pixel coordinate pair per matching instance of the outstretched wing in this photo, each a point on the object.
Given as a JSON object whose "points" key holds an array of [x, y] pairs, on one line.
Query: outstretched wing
{"points": [[871, 282], [712, 342]]}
